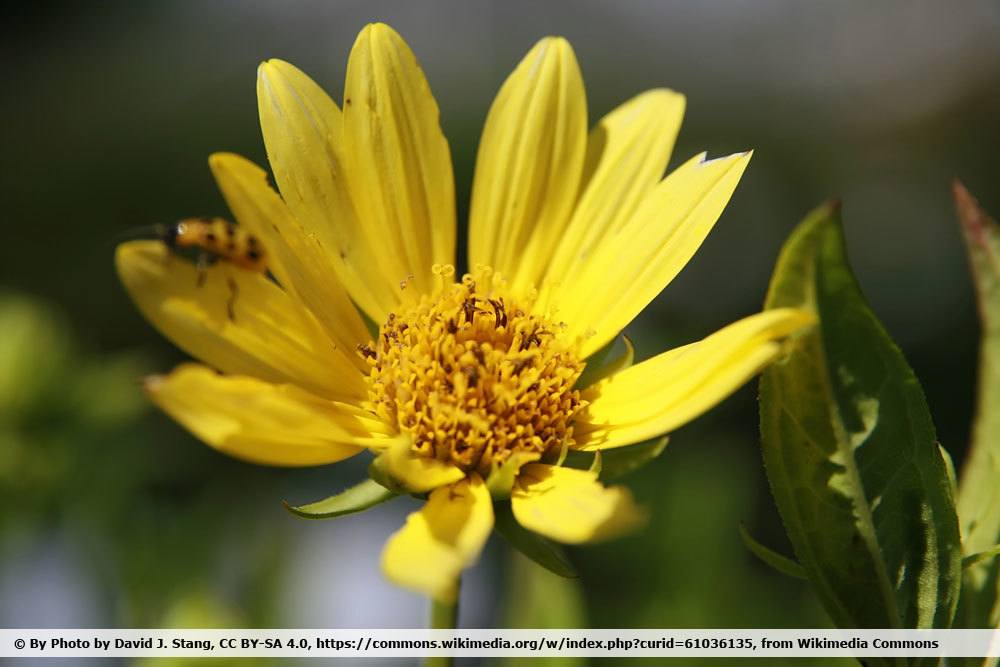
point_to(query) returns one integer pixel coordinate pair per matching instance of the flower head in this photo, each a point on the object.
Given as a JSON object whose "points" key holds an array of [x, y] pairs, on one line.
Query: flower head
{"points": [[474, 388]]}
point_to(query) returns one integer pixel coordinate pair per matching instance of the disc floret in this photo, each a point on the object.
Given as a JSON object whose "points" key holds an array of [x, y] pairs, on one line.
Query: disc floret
{"points": [[472, 376]]}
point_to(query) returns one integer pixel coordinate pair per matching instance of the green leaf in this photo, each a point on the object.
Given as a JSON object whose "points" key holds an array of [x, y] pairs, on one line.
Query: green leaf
{"points": [[851, 453], [355, 499], [780, 563], [979, 487], [613, 357], [618, 461], [544, 552]]}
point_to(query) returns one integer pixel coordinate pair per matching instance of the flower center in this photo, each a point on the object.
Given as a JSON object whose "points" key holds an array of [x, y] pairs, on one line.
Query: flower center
{"points": [[473, 377]]}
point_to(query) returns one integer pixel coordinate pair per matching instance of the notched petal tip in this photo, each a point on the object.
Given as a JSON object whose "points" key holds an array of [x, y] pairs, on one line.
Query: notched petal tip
{"points": [[742, 156]]}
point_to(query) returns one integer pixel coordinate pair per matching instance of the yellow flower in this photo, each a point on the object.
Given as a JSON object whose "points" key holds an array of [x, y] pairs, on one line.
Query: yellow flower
{"points": [[471, 381]]}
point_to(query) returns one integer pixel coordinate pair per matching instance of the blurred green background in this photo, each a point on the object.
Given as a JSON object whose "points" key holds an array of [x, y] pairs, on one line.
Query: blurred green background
{"points": [[113, 516]]}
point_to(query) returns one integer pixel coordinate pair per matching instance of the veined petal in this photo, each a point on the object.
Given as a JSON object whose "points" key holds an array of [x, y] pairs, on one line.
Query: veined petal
{"points": [[440, 540], [400, 164], [628, 269], [271, 336], [571, 506], [416, 474], [260, 422], [662, 393], [627, 153], [295, 258], [529, 164], [303, 133]]}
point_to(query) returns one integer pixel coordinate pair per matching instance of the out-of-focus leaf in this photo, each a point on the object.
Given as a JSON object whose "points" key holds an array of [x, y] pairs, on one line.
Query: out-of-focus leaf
{"points": [[979, 488], [851, 453], [619, 461], [768, 556], [549, 555], [355, 499], [537, 598], [34, 348], [200, 610], [613, 357]]}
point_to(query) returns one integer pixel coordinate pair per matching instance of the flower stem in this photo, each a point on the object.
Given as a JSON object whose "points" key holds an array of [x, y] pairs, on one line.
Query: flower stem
{"points": [[444, 616]]}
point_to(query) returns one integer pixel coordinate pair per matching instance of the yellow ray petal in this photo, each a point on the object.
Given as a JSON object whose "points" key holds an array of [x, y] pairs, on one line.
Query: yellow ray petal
{"points": [[294, 256], [627, 153], [416, 474], [440, 540], [662, 393], [303, 133], [529, 164], [400, 165], [627, 270], [260, 422], [272, 337], [571, 506]]}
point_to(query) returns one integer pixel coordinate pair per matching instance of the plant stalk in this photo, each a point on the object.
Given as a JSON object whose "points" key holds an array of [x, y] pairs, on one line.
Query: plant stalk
{"points": [[444, 616]]}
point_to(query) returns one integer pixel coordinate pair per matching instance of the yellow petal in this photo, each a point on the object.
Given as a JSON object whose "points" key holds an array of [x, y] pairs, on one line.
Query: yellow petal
{"points": [[529, 164], [270, 337], [441, 540], [571, 506], [627, 153], [628, 269], [303, 132], [662, 393], [400, 164], [416, 474], [294, 256], [260, 422]]}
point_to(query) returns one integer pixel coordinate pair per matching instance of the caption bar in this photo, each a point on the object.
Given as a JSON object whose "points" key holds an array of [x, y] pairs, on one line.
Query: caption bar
{"points": [[489, 643]]}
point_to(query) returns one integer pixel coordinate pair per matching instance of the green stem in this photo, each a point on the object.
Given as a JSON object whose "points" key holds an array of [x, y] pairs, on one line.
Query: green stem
{"points": [[444, 616]]}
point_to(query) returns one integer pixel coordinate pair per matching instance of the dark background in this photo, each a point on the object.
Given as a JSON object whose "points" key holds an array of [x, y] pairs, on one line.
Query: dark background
{"points": [[112, 516]]}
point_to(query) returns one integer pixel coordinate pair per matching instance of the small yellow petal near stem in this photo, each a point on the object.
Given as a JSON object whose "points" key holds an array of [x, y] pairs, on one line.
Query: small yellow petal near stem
{"points": [[571, 506], [439, 541]]}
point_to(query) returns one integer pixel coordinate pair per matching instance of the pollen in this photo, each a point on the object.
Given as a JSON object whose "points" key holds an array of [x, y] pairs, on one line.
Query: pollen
{"points": [[472, 376]]}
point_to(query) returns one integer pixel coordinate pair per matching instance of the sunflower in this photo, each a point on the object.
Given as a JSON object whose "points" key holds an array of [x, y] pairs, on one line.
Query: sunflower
{"points": [[474, 388]]}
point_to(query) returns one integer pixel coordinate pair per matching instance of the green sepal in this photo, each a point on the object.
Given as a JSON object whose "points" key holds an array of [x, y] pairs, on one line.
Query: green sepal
{"points": [[981, 557], [501, 479], [380, 475], [779, 563], [564, 451], [597, 464], [614, 357], [370, 324], [618, 461], [355, 499], [544, 552]]}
